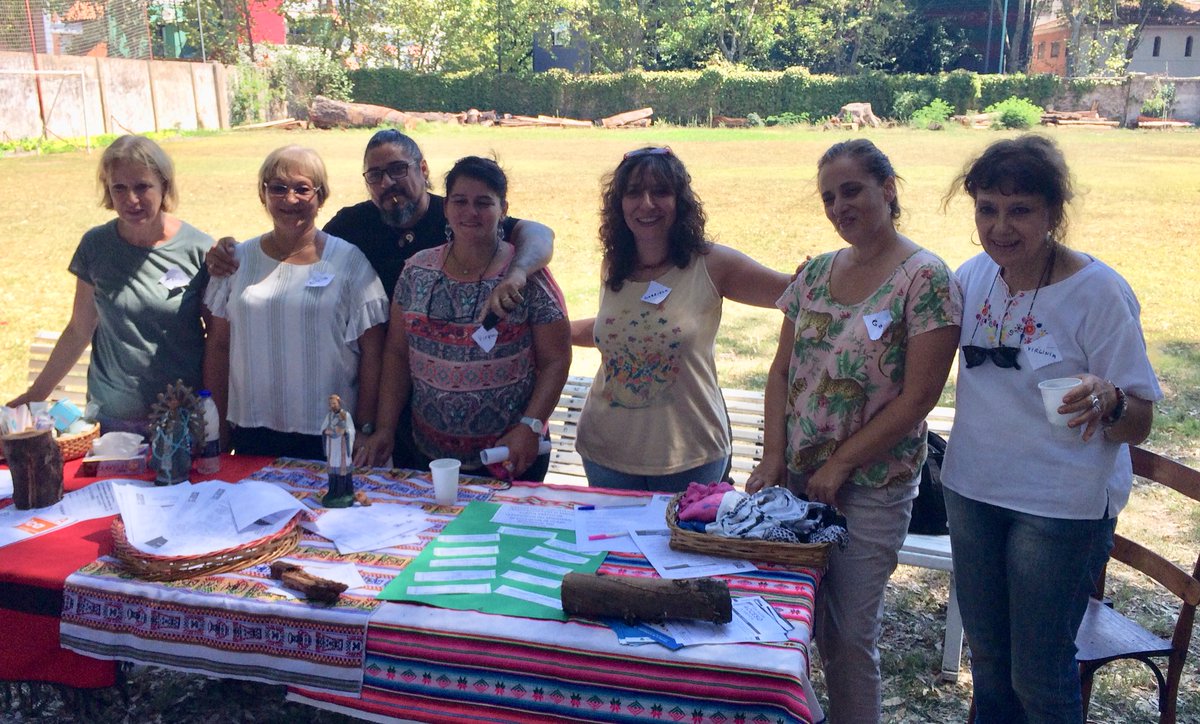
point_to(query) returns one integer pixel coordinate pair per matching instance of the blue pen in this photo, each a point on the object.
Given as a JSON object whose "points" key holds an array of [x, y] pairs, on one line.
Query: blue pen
{"points": [[609, 507]]}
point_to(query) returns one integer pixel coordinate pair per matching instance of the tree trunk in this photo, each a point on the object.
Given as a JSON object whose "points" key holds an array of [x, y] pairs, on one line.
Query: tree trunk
{"points": [[646, 599], [36, 464]]}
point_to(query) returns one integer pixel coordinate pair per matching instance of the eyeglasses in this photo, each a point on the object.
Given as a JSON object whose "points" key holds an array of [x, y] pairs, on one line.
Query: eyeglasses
{"points": [[1003, 357], [303, 192], [395, 171], [650, 151]]}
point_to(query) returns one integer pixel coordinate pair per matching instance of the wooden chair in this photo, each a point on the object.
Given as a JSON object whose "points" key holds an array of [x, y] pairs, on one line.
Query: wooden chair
{"points": [[1106, 635]]}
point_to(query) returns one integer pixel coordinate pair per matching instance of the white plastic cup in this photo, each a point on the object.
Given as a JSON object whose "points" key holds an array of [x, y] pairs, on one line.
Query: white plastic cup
{"points": [[1052, 398], [445, 480]]}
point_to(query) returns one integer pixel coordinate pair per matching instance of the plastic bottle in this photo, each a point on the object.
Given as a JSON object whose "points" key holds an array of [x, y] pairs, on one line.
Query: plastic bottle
{"points": [[209, 462]]}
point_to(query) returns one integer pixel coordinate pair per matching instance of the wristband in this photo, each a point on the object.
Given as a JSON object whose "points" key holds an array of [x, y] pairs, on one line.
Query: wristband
{"points": [[1118, 411]]}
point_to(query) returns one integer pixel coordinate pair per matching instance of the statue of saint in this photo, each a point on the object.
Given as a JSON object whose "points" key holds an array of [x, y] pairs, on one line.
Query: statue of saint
{"points": [[339, 444]]}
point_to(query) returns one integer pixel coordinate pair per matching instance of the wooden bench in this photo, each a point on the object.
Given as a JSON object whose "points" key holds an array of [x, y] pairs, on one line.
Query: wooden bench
{"points": [[746, 420], [74, 386]]}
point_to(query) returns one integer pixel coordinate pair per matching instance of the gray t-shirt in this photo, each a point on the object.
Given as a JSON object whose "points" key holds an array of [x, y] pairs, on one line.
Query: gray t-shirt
{"points": [[148, 302]]}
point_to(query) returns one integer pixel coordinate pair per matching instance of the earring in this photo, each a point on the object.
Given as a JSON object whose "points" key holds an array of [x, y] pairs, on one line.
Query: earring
{"points": [[974, 239], [449, 234], [500, 231]]}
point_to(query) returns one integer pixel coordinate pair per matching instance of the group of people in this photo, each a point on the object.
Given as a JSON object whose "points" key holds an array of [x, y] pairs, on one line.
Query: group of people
{"points": [[474, 346]]}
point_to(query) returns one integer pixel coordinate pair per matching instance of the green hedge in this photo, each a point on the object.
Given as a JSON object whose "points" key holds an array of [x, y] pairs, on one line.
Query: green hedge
{"points": [[686, 97]]}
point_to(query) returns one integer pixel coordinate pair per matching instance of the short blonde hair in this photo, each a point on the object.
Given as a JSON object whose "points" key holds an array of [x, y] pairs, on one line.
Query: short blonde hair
{"points": [[298, 160], [143, 152]]}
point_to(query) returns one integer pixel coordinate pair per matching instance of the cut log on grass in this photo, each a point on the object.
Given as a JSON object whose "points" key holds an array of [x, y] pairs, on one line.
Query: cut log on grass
{"points": [[859, 113], [285, 123], [730, 122], [328, 113], [646, 599], [626, 118], [36, 465]]}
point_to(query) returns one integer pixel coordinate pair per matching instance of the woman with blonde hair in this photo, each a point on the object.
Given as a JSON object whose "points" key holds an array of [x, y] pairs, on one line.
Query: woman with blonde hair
{"points": [[138, 287], [299, 320]]}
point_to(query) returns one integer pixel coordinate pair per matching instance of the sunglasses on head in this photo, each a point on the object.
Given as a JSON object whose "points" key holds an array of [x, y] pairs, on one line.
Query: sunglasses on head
{"points": [[1003, 357], [650, 151]]}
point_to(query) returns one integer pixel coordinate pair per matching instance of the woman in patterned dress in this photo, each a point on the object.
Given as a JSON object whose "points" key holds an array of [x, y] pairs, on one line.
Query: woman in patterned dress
{"points": [[471, 387], [867, 341], [654, 418]]}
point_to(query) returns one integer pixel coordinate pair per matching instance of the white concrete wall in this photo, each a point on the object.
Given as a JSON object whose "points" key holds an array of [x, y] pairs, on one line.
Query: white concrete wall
{"points": [[118, 96], [1170, 59], [1122, 98]]}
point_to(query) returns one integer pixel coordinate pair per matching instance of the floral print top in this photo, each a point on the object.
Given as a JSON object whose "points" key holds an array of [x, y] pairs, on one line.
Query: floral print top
{"points": [[848, 360]]}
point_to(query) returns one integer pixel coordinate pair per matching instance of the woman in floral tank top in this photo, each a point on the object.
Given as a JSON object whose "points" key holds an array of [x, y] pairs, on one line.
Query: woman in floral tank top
{"points": [[866, 346]]}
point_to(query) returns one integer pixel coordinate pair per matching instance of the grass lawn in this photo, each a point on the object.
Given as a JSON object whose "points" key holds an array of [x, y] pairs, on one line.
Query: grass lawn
{"points": [[1137, 192]]}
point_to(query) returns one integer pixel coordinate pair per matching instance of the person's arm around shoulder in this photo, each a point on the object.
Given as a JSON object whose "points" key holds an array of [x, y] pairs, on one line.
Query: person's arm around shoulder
{"points": [[71, 343], [742, 279], [773, 468], [583, 332], [394, 387], [534, 246], [221, 259]]}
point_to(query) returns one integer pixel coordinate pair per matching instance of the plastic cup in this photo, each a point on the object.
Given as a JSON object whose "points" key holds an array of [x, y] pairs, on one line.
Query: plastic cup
{"points": [[445, 480], [1052, 397]]}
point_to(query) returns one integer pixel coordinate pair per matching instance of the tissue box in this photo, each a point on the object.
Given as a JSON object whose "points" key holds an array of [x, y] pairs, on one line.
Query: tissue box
{"points": [[95, 466]]}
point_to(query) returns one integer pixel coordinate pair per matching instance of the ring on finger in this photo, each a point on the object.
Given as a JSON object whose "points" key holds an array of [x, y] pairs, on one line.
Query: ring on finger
{"points": [[1095, 403]]}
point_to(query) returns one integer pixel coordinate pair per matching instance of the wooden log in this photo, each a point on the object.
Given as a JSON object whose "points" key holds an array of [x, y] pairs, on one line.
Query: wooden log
{"points": [[859, 113], [36, 464], [321, 590], [328, 113], [646, 599], [564, 122], [627, 117]]}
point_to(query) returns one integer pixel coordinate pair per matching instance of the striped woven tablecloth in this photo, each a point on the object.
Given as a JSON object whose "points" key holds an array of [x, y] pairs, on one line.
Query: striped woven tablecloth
{"points": [[232, 625], [436, 665]]}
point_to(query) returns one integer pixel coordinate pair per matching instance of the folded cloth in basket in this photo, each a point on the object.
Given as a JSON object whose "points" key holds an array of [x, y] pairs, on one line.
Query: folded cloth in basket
{"points": [[701, 501], [775, 514]]}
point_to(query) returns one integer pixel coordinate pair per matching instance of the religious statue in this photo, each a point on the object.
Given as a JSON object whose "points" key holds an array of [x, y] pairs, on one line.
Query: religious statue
{"points": [[338, 432], [176, 424]]}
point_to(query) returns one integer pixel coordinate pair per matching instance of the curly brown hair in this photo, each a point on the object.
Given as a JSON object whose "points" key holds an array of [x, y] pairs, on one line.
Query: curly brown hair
{"points": [[645, 167]]}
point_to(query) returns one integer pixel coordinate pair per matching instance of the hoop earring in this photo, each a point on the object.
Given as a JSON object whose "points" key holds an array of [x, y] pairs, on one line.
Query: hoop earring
{"points": [[449, 234], [974, 239]]}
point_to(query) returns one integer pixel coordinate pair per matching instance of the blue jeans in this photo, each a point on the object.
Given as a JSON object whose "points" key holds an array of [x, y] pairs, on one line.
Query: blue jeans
{"points": [[1023, 582], [601, 477]]}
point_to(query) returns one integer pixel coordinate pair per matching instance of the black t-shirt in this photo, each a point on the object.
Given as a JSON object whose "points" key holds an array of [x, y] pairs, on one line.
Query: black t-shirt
{"points": [[388, 248]]}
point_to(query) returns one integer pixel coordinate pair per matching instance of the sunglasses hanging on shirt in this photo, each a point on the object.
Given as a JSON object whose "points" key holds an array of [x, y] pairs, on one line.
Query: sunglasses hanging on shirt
{"points": [[1001, 356]]}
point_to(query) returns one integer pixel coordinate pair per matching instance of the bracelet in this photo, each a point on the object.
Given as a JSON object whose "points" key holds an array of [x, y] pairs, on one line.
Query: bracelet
{"points": [[1118, 412]]}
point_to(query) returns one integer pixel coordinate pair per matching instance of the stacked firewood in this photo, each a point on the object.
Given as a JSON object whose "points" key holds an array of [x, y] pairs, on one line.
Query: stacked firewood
{"points": [[328, 113]]}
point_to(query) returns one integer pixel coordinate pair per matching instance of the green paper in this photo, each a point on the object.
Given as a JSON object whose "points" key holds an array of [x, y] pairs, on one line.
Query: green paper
{"points": [[476, 519]]}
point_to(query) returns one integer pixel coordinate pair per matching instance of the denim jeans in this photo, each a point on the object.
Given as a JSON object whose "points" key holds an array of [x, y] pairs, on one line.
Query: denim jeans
{"points": [[600, 476], [1023, 582]]}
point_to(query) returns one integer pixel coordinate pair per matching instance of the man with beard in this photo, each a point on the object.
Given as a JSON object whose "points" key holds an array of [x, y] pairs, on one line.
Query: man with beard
{"points": [[401, 218]]}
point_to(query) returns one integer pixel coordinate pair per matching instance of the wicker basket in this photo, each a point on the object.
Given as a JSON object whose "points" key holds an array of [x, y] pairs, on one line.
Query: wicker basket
{"points": [[74, 446], [78, 444], [150, 567], [809, 555]]}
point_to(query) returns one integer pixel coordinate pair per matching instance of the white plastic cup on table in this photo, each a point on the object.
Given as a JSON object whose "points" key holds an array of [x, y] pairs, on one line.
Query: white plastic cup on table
{"points": [[445, 480], [1052, 398]]}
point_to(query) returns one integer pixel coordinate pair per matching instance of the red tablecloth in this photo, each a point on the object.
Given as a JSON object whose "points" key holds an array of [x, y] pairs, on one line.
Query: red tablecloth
{"points": [[31, 586]]}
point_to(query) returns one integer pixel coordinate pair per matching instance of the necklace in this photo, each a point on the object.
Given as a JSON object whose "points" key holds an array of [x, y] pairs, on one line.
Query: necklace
{"points": [[465, 271], [1047, 273], [268, 240]]}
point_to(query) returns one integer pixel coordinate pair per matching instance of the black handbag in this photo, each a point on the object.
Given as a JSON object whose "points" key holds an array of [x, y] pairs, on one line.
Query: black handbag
{"points": [[929, 509]]}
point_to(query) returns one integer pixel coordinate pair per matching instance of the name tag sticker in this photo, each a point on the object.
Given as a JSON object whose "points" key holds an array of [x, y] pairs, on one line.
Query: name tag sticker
{"points": [[655, 293], [319, 279], [877, 323], [174, 278], [485, 338], [1042, 351]]}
